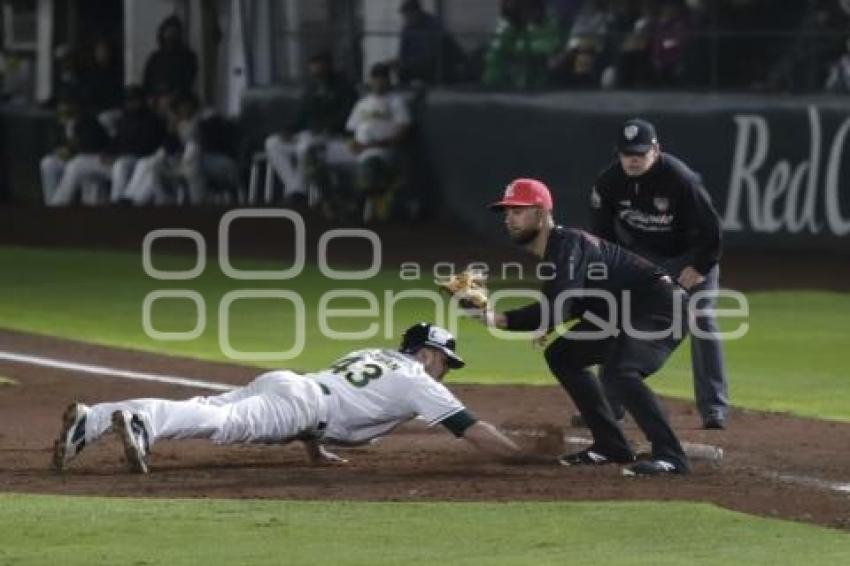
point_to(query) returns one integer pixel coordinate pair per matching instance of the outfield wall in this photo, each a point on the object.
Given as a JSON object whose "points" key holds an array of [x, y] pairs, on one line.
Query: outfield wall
{"points": [[775, 167]]}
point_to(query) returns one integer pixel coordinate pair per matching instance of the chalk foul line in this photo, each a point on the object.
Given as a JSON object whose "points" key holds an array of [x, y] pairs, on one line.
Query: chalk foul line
{"points": [[114, 372]]}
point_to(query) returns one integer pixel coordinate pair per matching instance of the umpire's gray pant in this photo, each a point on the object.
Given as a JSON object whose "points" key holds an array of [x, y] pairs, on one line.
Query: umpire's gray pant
{"points": [[710, 387]]}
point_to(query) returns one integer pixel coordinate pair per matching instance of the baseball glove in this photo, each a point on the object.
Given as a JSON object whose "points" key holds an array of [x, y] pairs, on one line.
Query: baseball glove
{"points": [[468, 287]]}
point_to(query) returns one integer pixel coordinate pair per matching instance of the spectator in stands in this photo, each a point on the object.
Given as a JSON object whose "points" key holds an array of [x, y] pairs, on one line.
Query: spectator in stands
{"points": [[564, 11], [53, 164], [320, 120], [102, 80], [216, 170], [633, 65], [196, 162], [66, 73], [139, 133], [838, 80], [427, 53], [504, 50], [379, 122], [519, 52], [80, 162], [591, 26], [157, 179], [583, 66], [669, 42], [173, 67], [805, 66], [581, 61]]}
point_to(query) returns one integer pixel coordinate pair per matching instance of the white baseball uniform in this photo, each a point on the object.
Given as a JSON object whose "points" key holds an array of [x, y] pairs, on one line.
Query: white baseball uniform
{"points": [[363, 395], [377, 118]]}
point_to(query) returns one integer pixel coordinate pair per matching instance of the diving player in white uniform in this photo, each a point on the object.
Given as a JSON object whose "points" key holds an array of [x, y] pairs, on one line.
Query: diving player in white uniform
{"points": [[364, 395]]}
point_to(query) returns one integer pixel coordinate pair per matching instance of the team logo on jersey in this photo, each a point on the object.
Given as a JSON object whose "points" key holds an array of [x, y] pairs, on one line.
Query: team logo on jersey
{"points": [[630, 132], [661, 203], [595, 199], [438, 335]]}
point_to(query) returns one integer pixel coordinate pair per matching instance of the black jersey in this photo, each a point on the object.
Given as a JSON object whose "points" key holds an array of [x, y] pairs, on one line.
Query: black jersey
{"points": [[664, 213], [575, 262]]}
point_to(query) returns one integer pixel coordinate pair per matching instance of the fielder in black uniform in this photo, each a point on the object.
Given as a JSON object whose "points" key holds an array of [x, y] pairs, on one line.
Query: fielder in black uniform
{"points": [[651, 203], [573, 261]]}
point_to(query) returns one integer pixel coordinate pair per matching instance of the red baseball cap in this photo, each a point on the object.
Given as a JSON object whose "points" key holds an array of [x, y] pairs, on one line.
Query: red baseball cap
{"points": [[525, 192]]}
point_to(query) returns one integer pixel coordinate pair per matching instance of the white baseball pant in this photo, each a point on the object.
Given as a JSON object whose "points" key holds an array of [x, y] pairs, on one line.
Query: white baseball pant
{"points": [[277, 406]]}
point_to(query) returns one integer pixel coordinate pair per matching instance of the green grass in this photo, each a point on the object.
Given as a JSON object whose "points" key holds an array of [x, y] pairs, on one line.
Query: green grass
{"points": [[795, 357], [89, 531]]}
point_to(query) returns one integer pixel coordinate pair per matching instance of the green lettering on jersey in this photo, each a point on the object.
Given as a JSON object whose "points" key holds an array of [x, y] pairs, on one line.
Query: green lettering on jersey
{"points": [[358, 376]]}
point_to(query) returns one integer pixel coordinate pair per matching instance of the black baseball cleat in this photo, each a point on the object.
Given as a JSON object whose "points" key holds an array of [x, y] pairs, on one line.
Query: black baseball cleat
{"points": [[577, 421], [654, 467], [713, 423], [590, 457]]}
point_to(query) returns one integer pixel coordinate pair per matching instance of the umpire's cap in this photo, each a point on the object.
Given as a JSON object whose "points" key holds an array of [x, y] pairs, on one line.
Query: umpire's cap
{"points": [[424, 334], [636, 136], [525, 192]]}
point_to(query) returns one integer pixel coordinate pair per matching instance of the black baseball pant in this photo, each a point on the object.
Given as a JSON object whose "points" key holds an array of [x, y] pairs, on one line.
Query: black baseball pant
{"points": [[625, 361]]}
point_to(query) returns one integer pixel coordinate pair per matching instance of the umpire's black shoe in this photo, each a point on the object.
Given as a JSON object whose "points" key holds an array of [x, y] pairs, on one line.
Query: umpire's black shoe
{"points": [[654, 467], [713, 423], [591, 457]]}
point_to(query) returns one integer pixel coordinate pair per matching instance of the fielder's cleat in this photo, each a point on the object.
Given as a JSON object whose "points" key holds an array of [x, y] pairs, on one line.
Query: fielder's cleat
{"points": [[72, 436], [577, 421], [654, 467], [131, 430], [590, 457]]}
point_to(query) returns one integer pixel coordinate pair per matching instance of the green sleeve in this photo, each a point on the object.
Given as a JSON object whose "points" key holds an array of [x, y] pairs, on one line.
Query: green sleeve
{"points": [[459, 422]]}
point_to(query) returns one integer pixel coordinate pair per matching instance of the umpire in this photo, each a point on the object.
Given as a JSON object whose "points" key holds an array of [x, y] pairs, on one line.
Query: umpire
{"points": [[574, 264], [651, 203]]}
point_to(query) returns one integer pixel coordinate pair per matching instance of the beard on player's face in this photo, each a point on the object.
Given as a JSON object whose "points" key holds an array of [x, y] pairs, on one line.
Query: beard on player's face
{"points": [[522, 236], [523, 224]]}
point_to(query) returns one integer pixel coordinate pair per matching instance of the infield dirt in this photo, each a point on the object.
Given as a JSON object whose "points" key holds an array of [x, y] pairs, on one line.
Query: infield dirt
{"points": [[413, 464]]}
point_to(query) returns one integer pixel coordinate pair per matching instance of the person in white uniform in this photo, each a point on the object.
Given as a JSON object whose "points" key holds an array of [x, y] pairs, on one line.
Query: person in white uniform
{"points": [[379, 122], [320, 122], [363, 395]]}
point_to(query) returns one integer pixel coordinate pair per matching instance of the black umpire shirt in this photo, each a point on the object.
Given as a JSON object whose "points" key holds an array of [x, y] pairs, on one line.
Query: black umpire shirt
{"points": [[575, 262], [664, 213]]}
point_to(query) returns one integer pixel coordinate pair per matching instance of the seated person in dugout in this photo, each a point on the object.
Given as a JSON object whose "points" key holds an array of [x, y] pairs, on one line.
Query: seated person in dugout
{"points": [[320, 122], [361, 396], [379, 123]]}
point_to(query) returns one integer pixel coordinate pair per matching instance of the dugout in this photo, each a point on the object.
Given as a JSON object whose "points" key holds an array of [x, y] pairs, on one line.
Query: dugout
{"points": [[775, 166]]}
